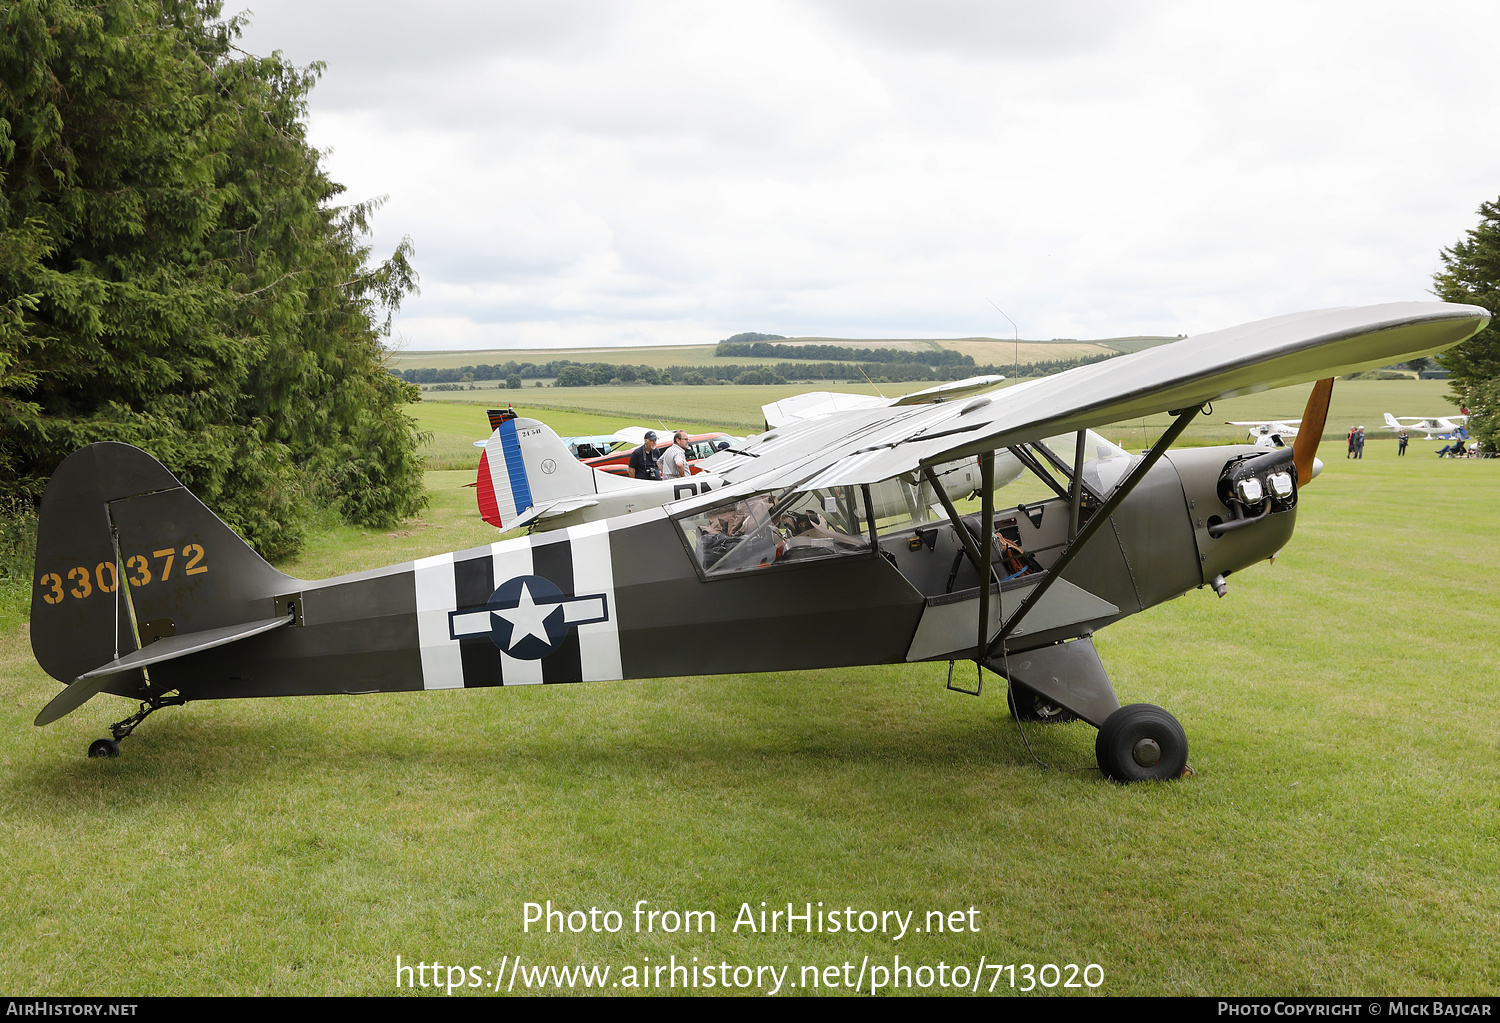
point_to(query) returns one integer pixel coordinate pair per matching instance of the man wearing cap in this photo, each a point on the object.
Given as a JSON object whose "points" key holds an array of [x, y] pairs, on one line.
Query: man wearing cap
{"points": [[643, 464]]}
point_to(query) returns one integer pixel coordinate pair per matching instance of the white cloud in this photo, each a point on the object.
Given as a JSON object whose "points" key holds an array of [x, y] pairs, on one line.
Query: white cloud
{"points": [[665, 172]]}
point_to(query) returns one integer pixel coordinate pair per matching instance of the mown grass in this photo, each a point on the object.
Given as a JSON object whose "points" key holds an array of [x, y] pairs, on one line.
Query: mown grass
{"points": [[1339, 836]]}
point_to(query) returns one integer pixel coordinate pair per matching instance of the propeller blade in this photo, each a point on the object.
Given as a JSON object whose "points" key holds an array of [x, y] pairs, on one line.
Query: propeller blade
{"points": [[1310, 431]]}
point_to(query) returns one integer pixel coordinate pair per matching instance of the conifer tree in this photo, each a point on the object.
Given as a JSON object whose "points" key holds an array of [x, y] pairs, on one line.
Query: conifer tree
{"points": [[176, 272], [1471, 274]]}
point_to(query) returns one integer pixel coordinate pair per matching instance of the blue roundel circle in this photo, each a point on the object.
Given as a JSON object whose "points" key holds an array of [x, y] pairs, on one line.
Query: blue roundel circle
{"points": [[527, 620]]}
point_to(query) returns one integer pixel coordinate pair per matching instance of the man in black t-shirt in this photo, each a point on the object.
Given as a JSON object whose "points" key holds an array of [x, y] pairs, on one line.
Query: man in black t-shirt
{"points": [[643, 464]]}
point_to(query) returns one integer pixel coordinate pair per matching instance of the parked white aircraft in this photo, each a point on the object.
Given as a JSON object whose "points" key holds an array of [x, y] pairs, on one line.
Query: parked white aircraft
{"points": [[1269, 433], [1433, 426], [527, 477]]}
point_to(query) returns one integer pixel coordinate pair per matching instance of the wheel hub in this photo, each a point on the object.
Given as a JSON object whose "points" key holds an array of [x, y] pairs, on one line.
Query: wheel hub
{"points": [[1147, 752]]}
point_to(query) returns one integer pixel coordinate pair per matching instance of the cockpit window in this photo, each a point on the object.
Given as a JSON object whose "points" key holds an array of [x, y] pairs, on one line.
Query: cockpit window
{"points": [[744, 534]]}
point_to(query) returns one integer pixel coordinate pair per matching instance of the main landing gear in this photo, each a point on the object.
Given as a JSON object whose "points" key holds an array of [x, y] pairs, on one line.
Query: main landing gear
{"points": [[1141, 742], [120, 729], [1067, 681]]}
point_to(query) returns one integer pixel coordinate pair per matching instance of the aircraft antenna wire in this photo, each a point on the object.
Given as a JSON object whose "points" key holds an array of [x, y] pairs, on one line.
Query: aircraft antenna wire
{"points": [[1010, 698]]}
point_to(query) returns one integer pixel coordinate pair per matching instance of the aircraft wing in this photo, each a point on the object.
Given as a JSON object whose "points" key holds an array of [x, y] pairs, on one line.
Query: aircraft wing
{"points": [[636, 435], [816, 404], [949, 391], [871, 445]]}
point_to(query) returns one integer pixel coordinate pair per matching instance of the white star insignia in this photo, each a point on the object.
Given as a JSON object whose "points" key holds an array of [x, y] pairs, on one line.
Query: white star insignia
{"points": [[527, 618]]}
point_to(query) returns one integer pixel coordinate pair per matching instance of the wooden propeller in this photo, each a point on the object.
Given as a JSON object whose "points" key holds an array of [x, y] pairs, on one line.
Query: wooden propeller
{"points": [[1310, 430]]}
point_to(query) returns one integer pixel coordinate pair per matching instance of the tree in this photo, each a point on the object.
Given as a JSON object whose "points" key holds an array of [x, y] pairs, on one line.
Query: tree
{"points": [[174, 272], [1471, 274]]}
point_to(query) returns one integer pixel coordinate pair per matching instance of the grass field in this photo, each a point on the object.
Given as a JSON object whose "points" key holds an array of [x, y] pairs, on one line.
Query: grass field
{"points": [[457, 418], [1339, 836]]}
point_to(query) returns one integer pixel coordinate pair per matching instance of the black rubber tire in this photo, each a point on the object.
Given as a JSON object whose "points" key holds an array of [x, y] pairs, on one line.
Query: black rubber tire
{"points": [[1131, 730], [1030, 705], [104, 748]]}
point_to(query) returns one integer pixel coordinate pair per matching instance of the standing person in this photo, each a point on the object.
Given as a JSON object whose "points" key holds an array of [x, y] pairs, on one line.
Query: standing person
{"points": [[1359, 442], [1350, 439], [674, 459], [1401, 448], [643, 464]]}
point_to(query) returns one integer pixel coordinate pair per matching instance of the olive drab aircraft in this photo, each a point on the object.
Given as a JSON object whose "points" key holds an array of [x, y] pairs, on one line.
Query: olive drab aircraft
{"points": [[141, 592]]}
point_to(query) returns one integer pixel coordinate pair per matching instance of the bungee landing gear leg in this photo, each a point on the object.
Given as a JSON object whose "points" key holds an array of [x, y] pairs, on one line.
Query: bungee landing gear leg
{"points": [[120, 729]]}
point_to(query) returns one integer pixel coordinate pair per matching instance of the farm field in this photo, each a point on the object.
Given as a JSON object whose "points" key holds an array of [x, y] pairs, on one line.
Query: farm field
{"points": [[1338, 836], [984, 350]]}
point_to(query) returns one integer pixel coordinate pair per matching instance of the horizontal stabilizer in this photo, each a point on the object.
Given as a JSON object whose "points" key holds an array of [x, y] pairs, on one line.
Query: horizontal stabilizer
{"points": [[168, 649], [537, 512]]}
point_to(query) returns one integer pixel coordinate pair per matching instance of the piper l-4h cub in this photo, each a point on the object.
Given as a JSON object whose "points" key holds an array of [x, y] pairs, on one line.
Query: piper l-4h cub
{"points": [[143, 593]]}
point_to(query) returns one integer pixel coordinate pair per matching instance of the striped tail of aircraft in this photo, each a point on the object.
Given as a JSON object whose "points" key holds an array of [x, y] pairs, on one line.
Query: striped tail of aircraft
{"points": [[525, 465], [528, 477]]}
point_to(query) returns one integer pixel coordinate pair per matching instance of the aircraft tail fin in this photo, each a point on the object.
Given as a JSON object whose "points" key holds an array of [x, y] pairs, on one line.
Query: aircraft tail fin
{"points": [[1390, 421], [525, 463], [126, 556]]}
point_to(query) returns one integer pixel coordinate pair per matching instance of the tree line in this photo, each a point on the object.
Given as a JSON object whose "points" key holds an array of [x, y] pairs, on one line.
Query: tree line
{"points": [[566, 373], [841, 353]]}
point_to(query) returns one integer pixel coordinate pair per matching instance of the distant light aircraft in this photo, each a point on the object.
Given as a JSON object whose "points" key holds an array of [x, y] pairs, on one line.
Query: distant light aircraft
{"points": [[1270, 433], [1434, 427], [140, 591]]}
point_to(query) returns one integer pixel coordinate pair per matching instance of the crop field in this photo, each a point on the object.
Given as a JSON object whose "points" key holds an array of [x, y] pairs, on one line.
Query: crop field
{"points": [[1339, 835], [997, 351]]}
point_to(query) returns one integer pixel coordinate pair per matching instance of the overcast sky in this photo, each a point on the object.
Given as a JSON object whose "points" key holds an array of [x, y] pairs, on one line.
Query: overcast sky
{"points": [[608, 173]]}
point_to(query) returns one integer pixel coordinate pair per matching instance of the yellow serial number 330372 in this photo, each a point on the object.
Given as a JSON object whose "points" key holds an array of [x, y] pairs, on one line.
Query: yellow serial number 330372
{"points": [[140, 570]]}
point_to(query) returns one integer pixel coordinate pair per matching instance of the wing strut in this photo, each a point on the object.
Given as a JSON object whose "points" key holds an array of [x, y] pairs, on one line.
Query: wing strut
{"points": [[1093, 525], [1075, 500], [971, 548], [987, 518]]}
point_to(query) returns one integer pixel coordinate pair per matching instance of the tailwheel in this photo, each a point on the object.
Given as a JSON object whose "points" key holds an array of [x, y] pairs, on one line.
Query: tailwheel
{"points": [[121, 729], [1141, 742]]}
